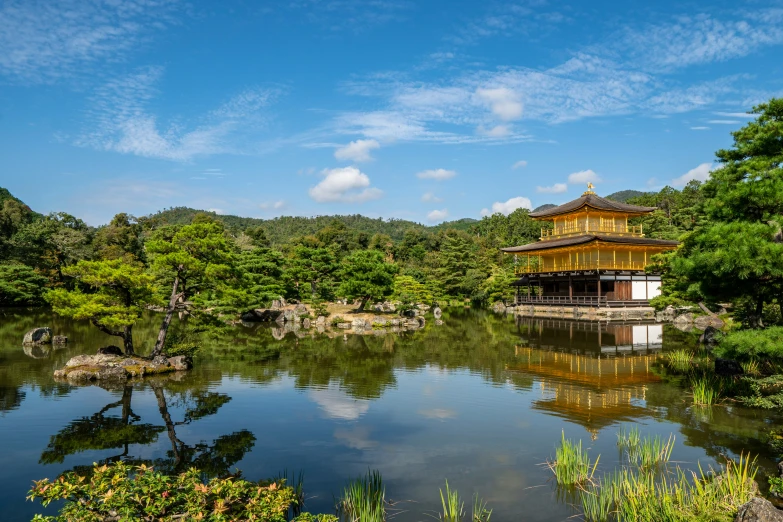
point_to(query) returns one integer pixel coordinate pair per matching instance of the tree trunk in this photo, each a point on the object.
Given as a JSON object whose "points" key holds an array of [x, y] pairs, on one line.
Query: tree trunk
{"points": [[361, 305], [164, 328], [757, 319], [127, 340]]}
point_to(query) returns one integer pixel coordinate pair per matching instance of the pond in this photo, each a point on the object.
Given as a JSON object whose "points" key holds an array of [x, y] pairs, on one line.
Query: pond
{"points": [[480, 400]]}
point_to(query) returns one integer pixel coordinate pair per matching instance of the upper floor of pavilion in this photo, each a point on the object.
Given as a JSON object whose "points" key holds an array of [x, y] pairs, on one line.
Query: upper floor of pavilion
{"points": [[591, 214]]}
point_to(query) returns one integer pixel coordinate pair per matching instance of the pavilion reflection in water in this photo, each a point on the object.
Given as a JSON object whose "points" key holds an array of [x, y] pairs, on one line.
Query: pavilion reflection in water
{"points": [[593, 374]]}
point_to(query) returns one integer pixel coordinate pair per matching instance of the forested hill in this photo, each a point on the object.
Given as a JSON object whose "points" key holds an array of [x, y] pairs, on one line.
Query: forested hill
{"points": [[624, 195], [281, 229]]}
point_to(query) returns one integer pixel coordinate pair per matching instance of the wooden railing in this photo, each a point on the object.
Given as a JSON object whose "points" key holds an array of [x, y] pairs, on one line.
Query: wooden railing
{"points": [[561, 300], [590, 228], [588, 265]]}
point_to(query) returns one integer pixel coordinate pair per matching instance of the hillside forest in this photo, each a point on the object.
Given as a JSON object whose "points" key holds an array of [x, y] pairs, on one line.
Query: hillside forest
{"points": [[729, 227]]}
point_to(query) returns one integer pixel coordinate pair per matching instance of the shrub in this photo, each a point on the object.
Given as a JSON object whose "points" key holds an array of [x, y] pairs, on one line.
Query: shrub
{"points": [[123, 492], [745, 345]]}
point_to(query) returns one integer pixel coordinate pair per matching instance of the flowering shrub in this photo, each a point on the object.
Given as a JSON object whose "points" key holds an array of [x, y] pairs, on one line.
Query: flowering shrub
{"points": [[124, 493]]}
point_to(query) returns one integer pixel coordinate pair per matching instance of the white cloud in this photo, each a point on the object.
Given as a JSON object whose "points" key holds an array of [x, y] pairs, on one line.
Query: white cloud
{"points": [[430, 197], [504, 102], [700, 173], [120, 121], [508, 207], [346, 185], [218, 211], [557, 188], [437, 174], [583, 176], [272, 205], [700, 128], [743, 115], [498, 131], [44, 41], [725, 122], [357, 151], [437, 215], [519, 164], [336, 404]]}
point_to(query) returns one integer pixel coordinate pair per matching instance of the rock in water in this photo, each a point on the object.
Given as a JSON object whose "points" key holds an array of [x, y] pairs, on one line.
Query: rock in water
{"points": [[758, 510], [499, 307], [110, 350], [437, 312], [181, 363], [727, 367], [38, 336], [306, 323], [59, 339]]}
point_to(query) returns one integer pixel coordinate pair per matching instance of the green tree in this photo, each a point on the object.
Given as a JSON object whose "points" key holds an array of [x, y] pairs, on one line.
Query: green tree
{"points": [[262, 270], [120, 237], [738, 254], [20, 285], [409, 291], [311, 266], [365, 275], [458, 265], [114, 296], [197, 262]]}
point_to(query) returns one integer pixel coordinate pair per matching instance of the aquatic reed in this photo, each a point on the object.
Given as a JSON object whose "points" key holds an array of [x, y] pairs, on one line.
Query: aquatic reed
{"points": [[628, 438], [572, 464], [480, 511], [680, 360], [296, 482], [653, 451], [598, 500], [453, 507], [706, 391], [751, 367], [364, 499]]}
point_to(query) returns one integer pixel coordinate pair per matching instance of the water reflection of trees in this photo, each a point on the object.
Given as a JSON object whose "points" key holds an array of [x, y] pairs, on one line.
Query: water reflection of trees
{"points": [[117, 426]]}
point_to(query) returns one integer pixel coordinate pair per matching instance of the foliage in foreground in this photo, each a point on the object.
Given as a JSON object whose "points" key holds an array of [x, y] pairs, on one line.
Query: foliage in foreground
{"points": [[126, 493], [647, 489], [747, 345], [364, 499]]}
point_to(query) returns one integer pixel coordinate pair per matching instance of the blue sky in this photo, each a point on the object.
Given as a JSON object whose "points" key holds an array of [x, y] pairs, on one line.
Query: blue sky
{"points": [[426, 111]]}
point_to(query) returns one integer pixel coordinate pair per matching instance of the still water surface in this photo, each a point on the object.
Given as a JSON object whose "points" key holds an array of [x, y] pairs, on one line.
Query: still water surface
{"points": [[480, 400]]}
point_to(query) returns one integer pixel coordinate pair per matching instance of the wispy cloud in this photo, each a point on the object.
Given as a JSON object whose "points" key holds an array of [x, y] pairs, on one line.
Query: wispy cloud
{"points": [[436, 174], [557, 188], [119, 120], [353, 15], [357, 151], [428, 197], [584, 176], [519, 164], [43, 41], [437, 215], [700, 173]]}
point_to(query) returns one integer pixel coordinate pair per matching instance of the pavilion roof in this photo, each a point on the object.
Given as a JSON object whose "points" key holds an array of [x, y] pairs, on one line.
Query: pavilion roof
{"points": [[594, 201], [588, 238]]}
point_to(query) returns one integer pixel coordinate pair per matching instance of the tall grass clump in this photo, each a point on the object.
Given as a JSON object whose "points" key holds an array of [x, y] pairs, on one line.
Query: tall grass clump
{"points": [[364, 499], [654, 451], [706, 391], [296, 483], [480, 511], [629, 438], [453, 507], [572, 464], [751, 367], [599, 499], [679, 360]]}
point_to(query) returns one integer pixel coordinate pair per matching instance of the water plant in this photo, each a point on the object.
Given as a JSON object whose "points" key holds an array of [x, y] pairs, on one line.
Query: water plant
{"points": [[480, 511], [679, 360], [572, 464], [751, 367], [628, 438], [364, 499], [453, 507], [654, 451], [598, 500], [706, 391]]}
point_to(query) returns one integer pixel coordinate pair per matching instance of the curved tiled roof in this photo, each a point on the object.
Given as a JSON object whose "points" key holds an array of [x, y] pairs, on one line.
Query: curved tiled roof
{"points": [[587, 238], [593, 201]]}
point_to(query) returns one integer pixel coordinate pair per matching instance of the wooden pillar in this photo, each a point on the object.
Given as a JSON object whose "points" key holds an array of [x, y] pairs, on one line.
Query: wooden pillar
{"points": [[570, 288]]}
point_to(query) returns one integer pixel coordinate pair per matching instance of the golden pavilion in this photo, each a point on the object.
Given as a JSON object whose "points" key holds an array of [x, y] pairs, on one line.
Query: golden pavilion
{"points": [[590, 257]]}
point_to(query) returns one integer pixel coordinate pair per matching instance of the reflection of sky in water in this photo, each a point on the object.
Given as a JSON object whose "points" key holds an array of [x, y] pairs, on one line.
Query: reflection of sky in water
{"points": [[336, 404], [490, 435]]}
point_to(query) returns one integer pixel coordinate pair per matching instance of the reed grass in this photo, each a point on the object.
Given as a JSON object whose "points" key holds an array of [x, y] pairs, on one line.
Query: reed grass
{"points": [[572, 464], [654, 451], [751, 367], [364, 499], [680, 360], [706, 391], [628, 438], [453, 507], [296, 482], [598, 500], [480, 511]]}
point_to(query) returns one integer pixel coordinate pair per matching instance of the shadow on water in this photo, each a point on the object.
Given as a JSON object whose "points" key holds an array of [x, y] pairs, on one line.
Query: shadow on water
{"points": [[479, 400]]}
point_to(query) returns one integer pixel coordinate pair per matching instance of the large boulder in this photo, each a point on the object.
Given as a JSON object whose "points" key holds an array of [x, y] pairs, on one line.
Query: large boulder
{"points": [[727, 367], [705, 321], [38, 336], [684, 319], [499, 307], [300, 309], [180, 363], [710, 337], [59, 339], [320, 320], [758, 510]]}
